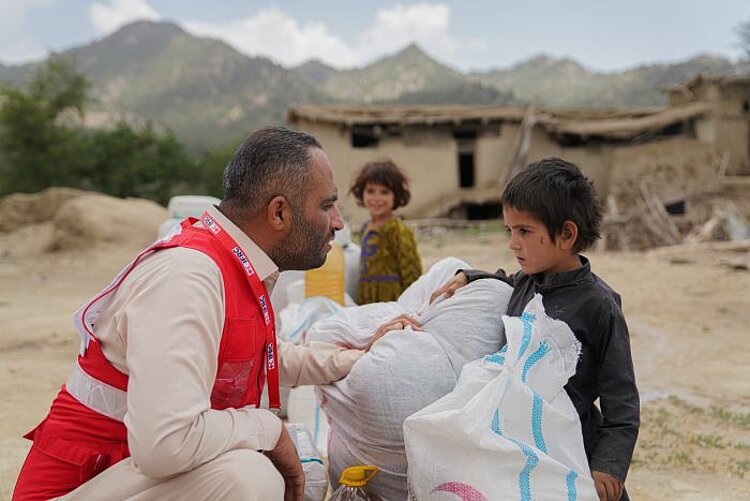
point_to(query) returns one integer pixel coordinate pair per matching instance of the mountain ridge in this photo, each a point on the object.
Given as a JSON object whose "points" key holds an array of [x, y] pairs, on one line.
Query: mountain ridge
{"points": [[210, 95]]}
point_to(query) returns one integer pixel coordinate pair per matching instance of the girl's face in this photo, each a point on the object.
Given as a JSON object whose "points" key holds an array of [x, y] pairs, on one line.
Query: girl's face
{"points": [[378, 199]]}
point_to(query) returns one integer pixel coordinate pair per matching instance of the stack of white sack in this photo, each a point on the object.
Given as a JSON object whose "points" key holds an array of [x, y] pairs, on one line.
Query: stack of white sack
{"points": [[509, 429], [292, 323], [290, 286], [295, 313], [302, 407], [405, 370], [316, 479]]}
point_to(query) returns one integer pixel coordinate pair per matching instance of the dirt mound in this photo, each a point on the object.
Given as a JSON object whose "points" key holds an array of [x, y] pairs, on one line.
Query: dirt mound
{"points": [[26, 242], [21, 209], [94, 219]]}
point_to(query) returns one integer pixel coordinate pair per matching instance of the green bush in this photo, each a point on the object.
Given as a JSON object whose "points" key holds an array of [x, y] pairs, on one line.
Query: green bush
{"points": [[43, 143]]}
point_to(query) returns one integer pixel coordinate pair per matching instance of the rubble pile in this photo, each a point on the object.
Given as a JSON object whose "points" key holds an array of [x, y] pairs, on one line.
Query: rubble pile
{"points": [[637, 218]]}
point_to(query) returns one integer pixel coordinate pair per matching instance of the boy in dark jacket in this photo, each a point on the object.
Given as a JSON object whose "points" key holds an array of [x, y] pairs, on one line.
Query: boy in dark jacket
{"points": [[552, 214]]}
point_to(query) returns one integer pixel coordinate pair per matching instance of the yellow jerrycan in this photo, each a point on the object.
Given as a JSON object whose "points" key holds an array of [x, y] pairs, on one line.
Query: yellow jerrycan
{"points": [[352, 481], [329, 279]]}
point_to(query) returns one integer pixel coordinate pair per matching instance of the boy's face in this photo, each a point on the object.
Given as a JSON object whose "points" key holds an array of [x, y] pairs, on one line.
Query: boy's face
{"points": [[535, 251]]}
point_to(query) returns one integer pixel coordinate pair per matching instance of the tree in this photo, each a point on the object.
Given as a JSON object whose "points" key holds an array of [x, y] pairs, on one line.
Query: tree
{"points": [[140, 163], [210, 171], [43, 143], [40, 149]]}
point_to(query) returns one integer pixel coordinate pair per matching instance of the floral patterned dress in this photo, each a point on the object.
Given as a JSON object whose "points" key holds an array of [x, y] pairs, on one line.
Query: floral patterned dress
{"points": [[389, 262]]}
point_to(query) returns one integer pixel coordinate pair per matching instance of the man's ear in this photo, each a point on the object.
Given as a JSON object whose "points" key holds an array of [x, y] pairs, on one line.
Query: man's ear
{"points": [[569, 235], [279, 214]]}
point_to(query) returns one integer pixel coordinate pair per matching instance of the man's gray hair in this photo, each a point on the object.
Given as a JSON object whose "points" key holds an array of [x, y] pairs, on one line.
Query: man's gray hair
{"points": [[271, 161]]}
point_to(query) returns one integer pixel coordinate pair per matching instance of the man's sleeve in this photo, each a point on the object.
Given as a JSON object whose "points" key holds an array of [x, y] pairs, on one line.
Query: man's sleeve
{"points": [[173, 327], [618, 399], [316, 363]]}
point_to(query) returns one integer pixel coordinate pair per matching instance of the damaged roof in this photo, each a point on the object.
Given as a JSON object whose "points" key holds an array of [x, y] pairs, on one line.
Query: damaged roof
{"points": [[721, 79], [608, 123], [401, 115], [627, 127]]}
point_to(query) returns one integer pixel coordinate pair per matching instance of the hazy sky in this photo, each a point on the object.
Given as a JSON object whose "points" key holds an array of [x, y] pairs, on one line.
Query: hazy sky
{"points": [[601, 34]]}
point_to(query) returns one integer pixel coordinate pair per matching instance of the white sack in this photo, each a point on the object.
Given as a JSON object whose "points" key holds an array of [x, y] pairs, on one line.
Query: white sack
{"points": [[405, 370], [509, 429], [316, 479], [303, 408]]}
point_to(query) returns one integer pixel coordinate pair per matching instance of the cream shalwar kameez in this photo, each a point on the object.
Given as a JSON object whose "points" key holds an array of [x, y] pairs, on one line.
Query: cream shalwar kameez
{"points": [[163, 328]]}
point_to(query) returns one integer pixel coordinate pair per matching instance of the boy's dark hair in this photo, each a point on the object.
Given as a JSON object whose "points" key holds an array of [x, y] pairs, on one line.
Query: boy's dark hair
{"points": [[555, 191], [385, 173]]}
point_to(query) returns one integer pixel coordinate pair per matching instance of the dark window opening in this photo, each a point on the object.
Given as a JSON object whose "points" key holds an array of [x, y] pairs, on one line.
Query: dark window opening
{"points": [[490, 210], [364, 138], [466, 167], [465, 134], [676, 208], [675, 129], [572, 140], [746, 106], [476, 211], [685, 128]]}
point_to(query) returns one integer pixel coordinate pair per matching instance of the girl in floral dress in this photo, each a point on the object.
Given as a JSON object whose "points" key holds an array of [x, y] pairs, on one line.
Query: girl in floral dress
{"points": [[389, 261]]}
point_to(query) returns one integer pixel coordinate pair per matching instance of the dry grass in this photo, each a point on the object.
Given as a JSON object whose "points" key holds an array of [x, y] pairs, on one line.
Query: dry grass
{"points": [[675, 433]]}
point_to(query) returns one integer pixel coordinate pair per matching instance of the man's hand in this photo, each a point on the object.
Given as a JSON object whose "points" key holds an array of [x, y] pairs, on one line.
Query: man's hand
{"points": [[608, 487], [396, 324], [285, 458], [450, 288]]}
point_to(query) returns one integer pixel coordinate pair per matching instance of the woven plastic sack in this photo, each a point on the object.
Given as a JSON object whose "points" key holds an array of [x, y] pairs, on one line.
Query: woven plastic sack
{"points": [[316, 477], [405, 370], [508, 430], [303, 408]]}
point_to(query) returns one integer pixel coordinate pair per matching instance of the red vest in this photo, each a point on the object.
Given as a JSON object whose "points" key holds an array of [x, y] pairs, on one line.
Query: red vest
{"points": [[80, 436], [240, 377]]}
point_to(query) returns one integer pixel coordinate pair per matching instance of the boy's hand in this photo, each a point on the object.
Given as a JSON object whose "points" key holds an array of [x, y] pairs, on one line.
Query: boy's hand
{"points": [[608, 487], [396, 324], [450, 288]]}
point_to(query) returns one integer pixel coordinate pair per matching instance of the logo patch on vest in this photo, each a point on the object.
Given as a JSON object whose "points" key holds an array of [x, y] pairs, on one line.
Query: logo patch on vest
{"points": [[243, 260], [264, 307], [211, 225], [271, 357]]}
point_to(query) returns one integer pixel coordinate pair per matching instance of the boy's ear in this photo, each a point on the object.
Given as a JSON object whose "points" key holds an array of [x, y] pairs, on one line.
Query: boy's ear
{"points": [[568, 235]]}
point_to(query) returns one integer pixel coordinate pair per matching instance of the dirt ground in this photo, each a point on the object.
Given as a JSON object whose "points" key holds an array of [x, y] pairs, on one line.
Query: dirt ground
{"points": [[688, 312]]}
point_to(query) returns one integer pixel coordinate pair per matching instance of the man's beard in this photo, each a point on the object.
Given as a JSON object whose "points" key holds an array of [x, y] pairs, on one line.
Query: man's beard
{"points": [[303, 249]]}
